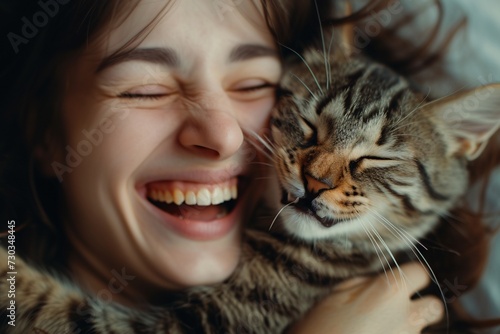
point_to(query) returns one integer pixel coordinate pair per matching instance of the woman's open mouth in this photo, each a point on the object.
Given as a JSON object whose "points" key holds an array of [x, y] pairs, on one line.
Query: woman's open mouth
{"points": [[196, 210], [194, 202]]}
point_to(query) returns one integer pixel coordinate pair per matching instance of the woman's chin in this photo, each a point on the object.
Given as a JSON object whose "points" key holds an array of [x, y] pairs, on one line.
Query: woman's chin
{"points": [[205, 265]]}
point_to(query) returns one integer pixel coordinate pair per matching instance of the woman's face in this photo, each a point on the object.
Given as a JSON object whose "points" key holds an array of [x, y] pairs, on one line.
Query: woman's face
{"points": [[165, 121]]}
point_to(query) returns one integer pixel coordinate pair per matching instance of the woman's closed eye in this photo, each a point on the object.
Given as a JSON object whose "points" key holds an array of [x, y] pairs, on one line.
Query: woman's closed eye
{"points": [[150, 92], [252, 89]]}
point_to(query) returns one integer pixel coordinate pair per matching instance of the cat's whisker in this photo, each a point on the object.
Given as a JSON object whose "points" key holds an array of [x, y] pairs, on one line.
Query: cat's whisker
{"points": [[378, 250], [420, 105], [403, 236], [446, 96], [305, 85], [418, 255], [262, 140], [270, 142], [265, 151], [394, 129], [262, 178], [311, 101], [409, 136], [326, 58], [416, 108], [261, 163], [388, 250], [398, 232], [398, 228], [454, 222], [255, 135], [329, 76], [440, 247], [281, 210], [307, 65]]}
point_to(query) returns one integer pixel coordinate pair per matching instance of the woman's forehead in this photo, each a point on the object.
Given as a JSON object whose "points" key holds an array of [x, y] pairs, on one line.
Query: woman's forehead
{"points": [[154, 23]]}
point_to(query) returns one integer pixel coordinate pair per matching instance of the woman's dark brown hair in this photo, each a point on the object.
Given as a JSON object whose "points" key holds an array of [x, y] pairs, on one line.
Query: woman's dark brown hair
{"points": [[36, 50]]}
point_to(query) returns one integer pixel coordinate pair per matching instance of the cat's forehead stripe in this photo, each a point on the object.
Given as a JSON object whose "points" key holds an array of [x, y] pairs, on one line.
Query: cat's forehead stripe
{"points": [[395, 101], [366, 92], [376, 95], [384, 135], [350, 81]]}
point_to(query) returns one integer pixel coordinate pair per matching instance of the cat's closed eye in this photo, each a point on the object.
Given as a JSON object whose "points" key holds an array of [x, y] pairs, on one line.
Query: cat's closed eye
{"points": [[371, 161]]}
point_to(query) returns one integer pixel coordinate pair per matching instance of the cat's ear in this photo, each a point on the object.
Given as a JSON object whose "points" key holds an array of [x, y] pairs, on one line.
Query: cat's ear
{"points": [[470, 118]]}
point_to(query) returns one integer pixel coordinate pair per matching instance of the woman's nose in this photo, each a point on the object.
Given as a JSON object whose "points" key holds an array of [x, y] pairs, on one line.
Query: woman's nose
{"points": [[212, 129]]}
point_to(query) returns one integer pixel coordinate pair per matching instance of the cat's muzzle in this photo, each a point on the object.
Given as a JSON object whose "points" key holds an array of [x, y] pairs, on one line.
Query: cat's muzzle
{"points": [[305, 205]]}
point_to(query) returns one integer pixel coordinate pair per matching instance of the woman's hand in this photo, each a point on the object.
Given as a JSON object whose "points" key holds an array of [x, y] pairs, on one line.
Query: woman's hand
{"points": [[375, 305]]}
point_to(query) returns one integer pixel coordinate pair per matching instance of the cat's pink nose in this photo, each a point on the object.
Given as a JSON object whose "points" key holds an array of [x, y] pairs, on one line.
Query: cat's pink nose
{"points": [[314, 185]]}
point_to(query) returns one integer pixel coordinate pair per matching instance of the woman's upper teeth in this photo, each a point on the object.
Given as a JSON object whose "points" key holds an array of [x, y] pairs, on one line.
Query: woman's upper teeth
{"points": [[202, 196]]}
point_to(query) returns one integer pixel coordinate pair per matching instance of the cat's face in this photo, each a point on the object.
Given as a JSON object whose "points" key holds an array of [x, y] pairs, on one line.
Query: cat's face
{"points": [[365, 159]]}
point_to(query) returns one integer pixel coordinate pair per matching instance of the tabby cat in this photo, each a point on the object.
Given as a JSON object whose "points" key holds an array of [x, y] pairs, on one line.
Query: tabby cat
{"points": [[367, 166]]}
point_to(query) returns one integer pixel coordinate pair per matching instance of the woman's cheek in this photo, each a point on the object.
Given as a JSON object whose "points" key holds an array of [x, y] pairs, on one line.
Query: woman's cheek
{"points": [[115, 136], [255, 115], [136, 133]]}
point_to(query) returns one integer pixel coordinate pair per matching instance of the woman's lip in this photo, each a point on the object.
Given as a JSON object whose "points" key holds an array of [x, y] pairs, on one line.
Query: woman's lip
{"points": [[200, 230]]}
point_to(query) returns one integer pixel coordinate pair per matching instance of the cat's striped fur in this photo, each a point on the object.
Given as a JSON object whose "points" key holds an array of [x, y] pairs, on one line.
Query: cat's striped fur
{"points": [[277, 281], [369, 167]]}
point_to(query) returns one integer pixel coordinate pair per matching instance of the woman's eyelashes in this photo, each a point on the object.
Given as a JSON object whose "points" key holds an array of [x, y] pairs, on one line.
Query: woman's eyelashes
{"points": [[149, 92], [127, 95], [255, 87], [251, 91]]}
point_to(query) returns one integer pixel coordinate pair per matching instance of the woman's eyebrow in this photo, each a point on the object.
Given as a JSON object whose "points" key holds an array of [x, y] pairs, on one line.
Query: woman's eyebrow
{"points": [[168, 56], [248, 51], [162, 56]]}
